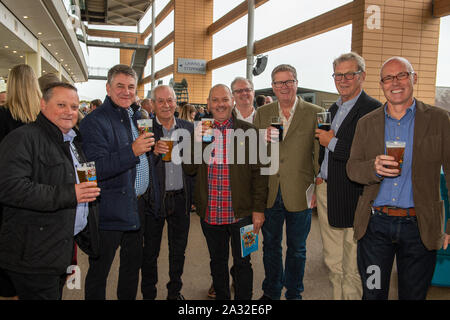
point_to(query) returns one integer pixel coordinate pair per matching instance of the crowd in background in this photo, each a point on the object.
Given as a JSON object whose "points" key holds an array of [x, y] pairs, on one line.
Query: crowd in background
{"points": [[372, 207]]}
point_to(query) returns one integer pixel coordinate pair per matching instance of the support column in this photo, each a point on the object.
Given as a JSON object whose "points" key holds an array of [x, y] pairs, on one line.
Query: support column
{"points": [[382, 29], [33, 59], [191, 20]]}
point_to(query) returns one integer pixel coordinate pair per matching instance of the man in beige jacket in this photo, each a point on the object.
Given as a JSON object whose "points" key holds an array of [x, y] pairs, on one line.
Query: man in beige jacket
{"points": [[298, 165]]}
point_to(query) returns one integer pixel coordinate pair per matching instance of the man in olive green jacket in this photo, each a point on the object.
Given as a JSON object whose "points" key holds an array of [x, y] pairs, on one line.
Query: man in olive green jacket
{"points": [[298, 166]]}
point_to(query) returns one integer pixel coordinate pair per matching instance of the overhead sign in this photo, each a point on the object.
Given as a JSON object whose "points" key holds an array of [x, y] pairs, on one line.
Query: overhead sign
{"points": [[195, 66]]}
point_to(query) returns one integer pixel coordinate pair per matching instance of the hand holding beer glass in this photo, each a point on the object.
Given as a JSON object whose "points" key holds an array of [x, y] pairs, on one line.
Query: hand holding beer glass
{"points": [[86, 190], [324, 120], [396, 149], [145, 141], [275, 131]]}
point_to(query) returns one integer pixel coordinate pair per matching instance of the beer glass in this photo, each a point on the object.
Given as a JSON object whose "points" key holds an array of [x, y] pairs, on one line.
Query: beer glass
{"points": [[144, 125], [169, 142], [397, 150], [324, 120], [86, 172], [207, 124], [277, 123]]}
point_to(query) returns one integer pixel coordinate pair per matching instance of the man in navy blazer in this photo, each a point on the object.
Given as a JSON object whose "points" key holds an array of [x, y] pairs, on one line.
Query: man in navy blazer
{"points": [[120, 155], [337, 196]]}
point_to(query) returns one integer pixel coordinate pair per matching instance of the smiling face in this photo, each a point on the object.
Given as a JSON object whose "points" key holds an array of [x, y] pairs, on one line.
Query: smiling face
{"points": [[243, 94], [62, 108], [398, 92], [165, 103], [349, 89], [122, 90], [220, 103], [285, 94]]}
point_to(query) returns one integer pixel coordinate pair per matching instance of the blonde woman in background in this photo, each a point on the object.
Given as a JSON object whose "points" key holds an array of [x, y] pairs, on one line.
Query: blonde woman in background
{"points": [[22, 107], [188, 112], [23, 99]]}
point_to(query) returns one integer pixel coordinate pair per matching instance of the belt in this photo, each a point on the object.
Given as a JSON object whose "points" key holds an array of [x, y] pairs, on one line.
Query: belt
{"points": [[396, 212], [174, 192]]}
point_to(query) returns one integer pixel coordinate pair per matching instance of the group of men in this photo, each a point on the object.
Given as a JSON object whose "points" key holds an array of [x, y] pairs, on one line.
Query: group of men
{"points": [[368, 213]]}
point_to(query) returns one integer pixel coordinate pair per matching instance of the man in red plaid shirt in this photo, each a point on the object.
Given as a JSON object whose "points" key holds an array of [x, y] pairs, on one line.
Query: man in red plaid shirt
{"points": [[228, 195]]}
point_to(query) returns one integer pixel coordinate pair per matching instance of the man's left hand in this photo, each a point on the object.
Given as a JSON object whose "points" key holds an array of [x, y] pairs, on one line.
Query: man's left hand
{"points": [[446, 239], [324, 136], [258, 220]]}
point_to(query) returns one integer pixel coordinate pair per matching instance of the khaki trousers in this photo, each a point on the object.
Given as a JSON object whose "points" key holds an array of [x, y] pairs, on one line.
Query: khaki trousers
{"points": [[339, 251]]}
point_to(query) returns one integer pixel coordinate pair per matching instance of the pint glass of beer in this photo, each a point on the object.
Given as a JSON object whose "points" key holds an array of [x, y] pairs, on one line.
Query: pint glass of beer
{"points": [[169, 142], [207, 124], [397, 150], [86, 172], [324, 120], [277, 123], [144, 125]]}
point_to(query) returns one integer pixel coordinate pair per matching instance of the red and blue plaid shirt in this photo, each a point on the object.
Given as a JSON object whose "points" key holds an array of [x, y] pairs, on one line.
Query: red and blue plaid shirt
{"points": [[220, 208]]}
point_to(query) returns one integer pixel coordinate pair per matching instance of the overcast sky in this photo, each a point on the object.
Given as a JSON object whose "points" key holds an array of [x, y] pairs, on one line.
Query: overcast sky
{"points": [[312, 57]]}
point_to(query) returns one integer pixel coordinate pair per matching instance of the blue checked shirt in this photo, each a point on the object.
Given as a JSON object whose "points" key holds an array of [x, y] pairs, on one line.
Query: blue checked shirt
{"points": [[142, 168]]}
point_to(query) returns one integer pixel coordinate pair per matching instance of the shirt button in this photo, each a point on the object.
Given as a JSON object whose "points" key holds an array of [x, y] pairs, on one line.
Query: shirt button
{"points": [[398, 124], [398, 138], [393, 199], [395, 184]]}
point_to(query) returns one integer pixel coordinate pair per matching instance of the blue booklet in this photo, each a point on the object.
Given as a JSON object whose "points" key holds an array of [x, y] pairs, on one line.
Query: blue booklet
{"points": [[249, 240]]}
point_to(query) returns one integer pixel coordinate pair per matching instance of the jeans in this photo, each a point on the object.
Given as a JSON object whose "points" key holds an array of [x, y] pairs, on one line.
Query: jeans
{"points": [[130, 243], [388, 237], [298, 225], [177, 233], [218, 239]]}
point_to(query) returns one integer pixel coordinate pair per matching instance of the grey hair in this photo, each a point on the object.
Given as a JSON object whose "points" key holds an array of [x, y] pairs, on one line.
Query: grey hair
{"points": [[284, 67], [121, 69], [48, 90], [153, 94], [408, 64], [351, 56], [250, 82]]}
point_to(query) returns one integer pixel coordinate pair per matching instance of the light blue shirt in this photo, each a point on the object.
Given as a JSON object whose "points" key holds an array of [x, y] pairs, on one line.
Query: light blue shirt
{"points": [[397, 191], [341, 114], [82, 210]]}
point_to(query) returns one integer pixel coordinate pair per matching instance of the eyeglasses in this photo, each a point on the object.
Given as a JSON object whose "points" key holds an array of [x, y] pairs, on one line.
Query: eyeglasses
{"points": [[287, 83], [246, 90], [347, 76], [400, 76]]}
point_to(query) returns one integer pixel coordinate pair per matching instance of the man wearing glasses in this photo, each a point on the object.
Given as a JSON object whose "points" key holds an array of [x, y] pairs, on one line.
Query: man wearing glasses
{"points": [[337, 196], [298, 165], [400, 214], [243, 94]]}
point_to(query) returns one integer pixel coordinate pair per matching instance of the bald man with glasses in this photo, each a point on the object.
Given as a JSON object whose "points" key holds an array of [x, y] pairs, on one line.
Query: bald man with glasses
{"points": [[400, 214]]}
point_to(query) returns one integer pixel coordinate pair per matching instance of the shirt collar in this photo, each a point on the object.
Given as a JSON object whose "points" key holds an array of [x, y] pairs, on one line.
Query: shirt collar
{"points": [[225, 124], [173, 125], [239, 115], [411, 110], [348, 104], [292, 110], [69, 136]]}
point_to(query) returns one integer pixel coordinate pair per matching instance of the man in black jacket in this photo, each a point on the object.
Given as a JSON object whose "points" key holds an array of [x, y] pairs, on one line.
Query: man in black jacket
{"points": [[337, 196], [45, 206], [170, 194]]}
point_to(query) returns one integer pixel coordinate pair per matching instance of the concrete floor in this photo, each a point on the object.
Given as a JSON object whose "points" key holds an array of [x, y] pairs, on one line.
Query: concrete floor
{"points": [[197, 279]]}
